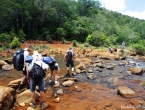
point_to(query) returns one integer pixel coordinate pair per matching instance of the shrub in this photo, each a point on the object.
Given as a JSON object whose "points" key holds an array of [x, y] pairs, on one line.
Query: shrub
{"points": [[64, 41], [1, 49], [49, 40], [15, 43], [86, 44], [139, 49], [74, 43], [4, 37], [21, 35]]}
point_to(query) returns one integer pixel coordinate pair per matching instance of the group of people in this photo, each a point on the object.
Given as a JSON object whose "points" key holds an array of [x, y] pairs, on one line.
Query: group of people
{"points": [[54, 67]]}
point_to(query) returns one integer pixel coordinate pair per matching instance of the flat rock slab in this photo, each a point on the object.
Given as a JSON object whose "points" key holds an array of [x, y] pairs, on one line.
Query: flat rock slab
{"points": [[7, 67]]}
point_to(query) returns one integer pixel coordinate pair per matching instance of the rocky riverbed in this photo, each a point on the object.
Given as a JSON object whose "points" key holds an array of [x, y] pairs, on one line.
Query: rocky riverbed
{"points": [[102, 81]]}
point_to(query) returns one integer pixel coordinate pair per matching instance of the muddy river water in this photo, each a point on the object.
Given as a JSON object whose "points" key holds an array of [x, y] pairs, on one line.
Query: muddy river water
{"points": [[108, 78]]}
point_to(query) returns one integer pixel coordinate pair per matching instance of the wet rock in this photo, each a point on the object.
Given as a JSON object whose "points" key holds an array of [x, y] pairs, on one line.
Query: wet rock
{"points": [[117, 57], [7, 95], [121, 64], [98, 61], [8, 60], [2, 63], [57, 100], [132, 54], [136, 71], [80, 66], [14, 83], [25, 97], [123, 90], [100, 65], [60, 92], [68, 83], [110, 66], [90, 76], [7, 67], [135, 101], [78, 71], [113, 79], [123, 58], [129, 73], [90, 71], [22, 104], [83, 71], [77, 89], [71, 79]]}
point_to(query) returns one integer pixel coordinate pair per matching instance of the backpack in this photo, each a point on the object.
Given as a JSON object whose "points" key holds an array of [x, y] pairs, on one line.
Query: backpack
{"points": [[18, 59], [37, 72], [69, 55], [49, 60]]}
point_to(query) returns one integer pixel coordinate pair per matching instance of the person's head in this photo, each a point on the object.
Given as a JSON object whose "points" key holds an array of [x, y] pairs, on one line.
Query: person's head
{"points": [[35, 53], [39, 57], [70, 48], [28, 46]]}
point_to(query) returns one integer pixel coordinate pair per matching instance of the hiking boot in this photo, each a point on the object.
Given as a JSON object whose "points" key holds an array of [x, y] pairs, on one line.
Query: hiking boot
{"points": [[52, 83], [33, 105], [41, 104]]}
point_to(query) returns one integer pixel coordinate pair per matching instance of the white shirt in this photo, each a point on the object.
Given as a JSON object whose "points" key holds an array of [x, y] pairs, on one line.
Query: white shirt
{"points": [[26, 53]]}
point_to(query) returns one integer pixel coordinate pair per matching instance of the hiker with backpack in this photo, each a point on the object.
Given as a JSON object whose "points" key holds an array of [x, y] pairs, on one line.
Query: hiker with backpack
{"points": [[54, 67], [36, 76], [20, 64], [69, 58]]}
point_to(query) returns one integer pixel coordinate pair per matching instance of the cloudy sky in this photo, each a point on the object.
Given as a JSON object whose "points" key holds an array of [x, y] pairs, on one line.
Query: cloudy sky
{"points": [[134, 8]]}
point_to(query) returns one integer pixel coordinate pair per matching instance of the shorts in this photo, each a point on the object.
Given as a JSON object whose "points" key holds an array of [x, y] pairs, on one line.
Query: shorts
{"points": [[39, 83], [70, 62], [54, 67]]}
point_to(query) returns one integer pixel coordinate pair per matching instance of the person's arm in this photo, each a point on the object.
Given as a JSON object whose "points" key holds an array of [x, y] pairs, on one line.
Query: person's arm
{"points": [[64, 59], [26, 53]]}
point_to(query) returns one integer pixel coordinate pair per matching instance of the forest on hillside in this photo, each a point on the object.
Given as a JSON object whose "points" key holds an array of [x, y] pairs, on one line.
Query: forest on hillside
{"points": [[66, 20]]}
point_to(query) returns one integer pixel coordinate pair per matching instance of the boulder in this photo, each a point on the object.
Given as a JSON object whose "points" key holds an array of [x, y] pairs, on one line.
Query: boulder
{"points": [[14, 83], [123, 90], [136, 71], [25, 97], [68, 83], [7, 95], [7, 67], [2, 63]]}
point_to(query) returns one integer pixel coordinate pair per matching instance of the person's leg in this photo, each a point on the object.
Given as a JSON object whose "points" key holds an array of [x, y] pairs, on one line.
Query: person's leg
{"points": [[23, 80], [32, 89], [41, 88], [51, 74], [41, 96], [72, 67], [56, 71]]}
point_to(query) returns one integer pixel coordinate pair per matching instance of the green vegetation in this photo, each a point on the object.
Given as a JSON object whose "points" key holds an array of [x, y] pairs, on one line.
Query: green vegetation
{"points": [[75, 43], [15, 43], [68, 20]]}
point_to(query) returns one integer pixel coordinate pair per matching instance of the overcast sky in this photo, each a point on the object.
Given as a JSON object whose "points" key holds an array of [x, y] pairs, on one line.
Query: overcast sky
{"points": [[134, 8]]}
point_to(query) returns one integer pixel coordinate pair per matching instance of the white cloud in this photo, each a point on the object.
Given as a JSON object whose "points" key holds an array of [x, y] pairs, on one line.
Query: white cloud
{"points": [[119, 6], [114, 5], [136, 14]]}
